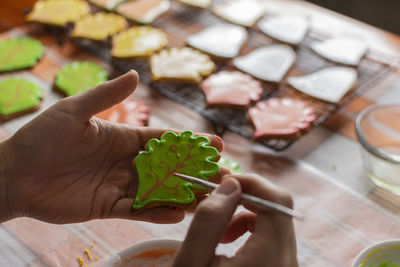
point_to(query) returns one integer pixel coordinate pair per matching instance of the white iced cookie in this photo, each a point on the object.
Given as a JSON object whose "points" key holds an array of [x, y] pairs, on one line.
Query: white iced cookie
{"points": [[181, 64], [106, 4], [329, 84], [344, 50], [268, 63], [287, 29], [197, 3], [143, 11], [224, 40], [241, 12]]}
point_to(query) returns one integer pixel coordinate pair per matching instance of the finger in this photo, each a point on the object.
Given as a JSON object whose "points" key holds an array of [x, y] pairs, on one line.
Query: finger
{"points": [[210, 220], [272, 226], [217, 178], [239, 225], [161, 215], [104, 95]]}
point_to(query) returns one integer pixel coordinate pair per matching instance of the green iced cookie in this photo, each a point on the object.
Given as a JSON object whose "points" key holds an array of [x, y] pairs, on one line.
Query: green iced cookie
{"points": [[79, 77], [182, 153], [19, 53], [231, 165], [18, 95]]}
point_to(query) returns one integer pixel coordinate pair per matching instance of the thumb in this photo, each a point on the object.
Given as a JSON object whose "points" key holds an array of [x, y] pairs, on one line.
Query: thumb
{"points": [[211, 218], [104, 95]]}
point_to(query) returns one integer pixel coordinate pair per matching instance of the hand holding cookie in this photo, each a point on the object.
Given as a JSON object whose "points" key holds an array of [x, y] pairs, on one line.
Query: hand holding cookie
{"points": [[66, 166], [271, 243]]}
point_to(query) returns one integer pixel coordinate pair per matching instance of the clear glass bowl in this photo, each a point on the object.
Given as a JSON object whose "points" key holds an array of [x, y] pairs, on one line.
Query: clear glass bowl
{"points": [[378, 131]]}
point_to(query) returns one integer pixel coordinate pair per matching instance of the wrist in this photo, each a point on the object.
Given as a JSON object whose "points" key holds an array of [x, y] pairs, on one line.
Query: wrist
{"points": [[5, 208]]}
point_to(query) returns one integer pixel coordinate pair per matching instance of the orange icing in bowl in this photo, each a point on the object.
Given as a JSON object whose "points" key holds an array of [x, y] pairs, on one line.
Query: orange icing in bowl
{"points": [[162, 257]]}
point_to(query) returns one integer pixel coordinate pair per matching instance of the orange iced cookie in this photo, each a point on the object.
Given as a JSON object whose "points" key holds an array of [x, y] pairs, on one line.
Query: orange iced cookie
{"points": [[130, 111], [58, 13], [99, 26], [231, 89], [143, 11], [281, 118]]}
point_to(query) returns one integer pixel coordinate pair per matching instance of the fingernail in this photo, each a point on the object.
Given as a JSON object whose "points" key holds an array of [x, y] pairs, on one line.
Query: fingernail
{"points": [[227, 187]]}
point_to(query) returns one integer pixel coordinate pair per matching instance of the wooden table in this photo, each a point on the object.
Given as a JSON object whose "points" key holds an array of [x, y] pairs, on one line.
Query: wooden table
{"points": [[344, 211]]}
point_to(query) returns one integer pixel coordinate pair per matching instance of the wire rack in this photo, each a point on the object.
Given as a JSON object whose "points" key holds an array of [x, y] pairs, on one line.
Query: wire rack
{"points": [[182, 21]]}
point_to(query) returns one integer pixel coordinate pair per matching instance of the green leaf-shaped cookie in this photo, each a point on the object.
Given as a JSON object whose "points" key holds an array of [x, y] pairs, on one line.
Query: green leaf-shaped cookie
{"points": [[182, 153], [78, 77], [19, 53], [18, 95]]}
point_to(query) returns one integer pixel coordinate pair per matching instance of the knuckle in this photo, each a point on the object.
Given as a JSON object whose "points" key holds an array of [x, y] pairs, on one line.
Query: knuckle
{"points": [[285, 199], [66, 105], [208, 211]]}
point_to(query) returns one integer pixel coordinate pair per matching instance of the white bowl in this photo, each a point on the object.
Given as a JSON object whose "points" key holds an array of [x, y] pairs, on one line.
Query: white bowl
{"points": [[128, 257], [383, 252]]}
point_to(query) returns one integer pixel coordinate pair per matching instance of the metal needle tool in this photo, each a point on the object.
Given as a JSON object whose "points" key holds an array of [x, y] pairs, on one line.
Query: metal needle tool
{"points": [[246, 198]]}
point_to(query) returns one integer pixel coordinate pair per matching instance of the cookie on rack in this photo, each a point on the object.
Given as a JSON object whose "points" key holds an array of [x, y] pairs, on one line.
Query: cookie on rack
{"points": [[19, 53], [107, 4], [231, 89], [58, 13], [343, 50], [18, 96], [197, 3], [78, 77], [281, 118], [143, 11], [137, 42], [173, 153], [130, 111], [328, 84], [99, 26], [221, 40], [241, 12], [287, 29], [268, 63], [182, 64]]}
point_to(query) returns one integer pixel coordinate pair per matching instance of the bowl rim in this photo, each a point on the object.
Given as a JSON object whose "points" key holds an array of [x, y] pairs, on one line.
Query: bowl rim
{"points": [[361, 255], [381, 154], [141, 246]]}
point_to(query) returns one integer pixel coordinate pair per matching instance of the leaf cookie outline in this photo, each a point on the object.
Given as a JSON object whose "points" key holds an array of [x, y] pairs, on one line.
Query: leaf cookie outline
{"points": [[181, 153]]}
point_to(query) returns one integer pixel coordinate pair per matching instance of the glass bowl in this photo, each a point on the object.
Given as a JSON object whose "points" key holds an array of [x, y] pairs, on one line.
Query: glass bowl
{"points": [[378, 132], [385, 253]]}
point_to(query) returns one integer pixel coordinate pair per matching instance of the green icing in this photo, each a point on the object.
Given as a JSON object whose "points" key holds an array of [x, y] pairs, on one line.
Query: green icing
{"points": [[382, 257], [17, 95], [78, 77], [233, 166], [19, 53], [182, 153]]}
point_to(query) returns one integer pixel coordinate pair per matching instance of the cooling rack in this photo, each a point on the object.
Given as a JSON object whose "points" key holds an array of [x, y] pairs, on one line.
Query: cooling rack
{"points": [[182, 21]]}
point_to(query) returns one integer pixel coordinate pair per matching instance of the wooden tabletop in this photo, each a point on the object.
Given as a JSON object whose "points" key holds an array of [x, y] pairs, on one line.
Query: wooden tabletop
{"points": [[323, 170]]}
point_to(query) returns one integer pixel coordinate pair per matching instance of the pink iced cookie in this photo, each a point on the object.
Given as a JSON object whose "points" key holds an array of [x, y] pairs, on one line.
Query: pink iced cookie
{"points": [[231, 89], [130, 111], [281, 118]]}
